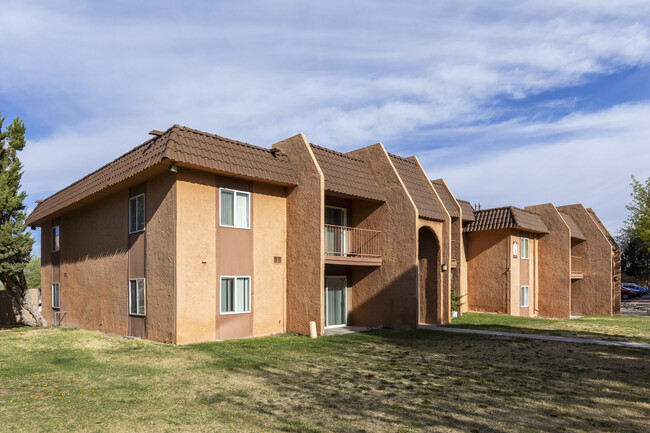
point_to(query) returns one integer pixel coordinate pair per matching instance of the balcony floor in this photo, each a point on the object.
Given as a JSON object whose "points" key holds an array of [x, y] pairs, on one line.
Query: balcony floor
{"points": [[353, 261]]}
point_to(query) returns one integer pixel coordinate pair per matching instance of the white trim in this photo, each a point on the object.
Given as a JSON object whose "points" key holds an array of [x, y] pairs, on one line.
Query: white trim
{"points": [[58, 226], [344, 245], [345, 300], [521, 256], [250, 294], [234, 208], [522, 297], [144, 204], [144, 282], [515, 250], [345, 213], [58, 298]]}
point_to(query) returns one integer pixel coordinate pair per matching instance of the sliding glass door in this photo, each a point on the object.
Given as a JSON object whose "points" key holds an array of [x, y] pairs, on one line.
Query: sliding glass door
{"points": [[336, 313]]}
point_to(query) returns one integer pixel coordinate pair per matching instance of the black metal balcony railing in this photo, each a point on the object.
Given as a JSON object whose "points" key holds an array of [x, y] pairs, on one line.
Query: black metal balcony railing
{"points": [[351, 242]]}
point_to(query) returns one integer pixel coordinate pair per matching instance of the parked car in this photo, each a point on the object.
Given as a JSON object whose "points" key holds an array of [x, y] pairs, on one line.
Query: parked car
{"points": [[633, 286], [628, 293]]}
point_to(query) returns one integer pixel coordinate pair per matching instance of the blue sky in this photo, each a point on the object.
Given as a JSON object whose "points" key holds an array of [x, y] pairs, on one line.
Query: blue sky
{"points": [[512, 102]]}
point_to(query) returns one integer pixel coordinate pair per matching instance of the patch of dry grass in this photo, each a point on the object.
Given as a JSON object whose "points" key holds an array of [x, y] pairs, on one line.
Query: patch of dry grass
{"points": [[394, 381], [614, 328]]}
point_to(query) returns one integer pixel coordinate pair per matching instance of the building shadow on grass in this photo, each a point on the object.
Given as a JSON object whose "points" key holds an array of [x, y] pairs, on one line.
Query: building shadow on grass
{"points": [[425, 381]]}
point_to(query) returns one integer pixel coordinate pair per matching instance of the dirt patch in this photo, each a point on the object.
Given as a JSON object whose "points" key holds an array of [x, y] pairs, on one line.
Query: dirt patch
{"points": [[635, 308]]}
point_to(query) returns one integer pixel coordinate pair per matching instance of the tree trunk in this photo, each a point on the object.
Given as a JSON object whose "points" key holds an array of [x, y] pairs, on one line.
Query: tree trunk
{"points": [[17, 287]]}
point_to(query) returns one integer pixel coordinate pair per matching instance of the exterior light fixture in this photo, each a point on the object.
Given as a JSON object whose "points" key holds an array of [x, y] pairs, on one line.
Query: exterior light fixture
{"points": [[173, 168], [444, 267]]}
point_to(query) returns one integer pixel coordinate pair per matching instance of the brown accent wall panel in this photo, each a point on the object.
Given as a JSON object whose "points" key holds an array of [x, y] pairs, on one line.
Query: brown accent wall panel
{"points": [[234, 259], [136, 255]]}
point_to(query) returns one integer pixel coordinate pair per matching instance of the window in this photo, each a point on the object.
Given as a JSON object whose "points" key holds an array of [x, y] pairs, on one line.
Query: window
{"points": [[514, 249], [235, 295], [524, 248], [524, 296], [234, 208], [137, 296], [55, 295], [136, 213], [56, 238]]}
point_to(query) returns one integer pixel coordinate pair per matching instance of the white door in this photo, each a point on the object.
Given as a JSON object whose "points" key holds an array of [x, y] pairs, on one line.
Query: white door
{"points": [[336, 312]]}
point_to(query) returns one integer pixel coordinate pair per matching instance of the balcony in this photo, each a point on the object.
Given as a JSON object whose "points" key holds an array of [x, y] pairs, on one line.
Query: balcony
{"points": [[576, 268], [351, 246]]}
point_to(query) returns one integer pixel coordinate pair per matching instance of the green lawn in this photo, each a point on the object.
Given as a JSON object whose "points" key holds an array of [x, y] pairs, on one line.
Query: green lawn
{"points": [[616, 328], [394, 381]]}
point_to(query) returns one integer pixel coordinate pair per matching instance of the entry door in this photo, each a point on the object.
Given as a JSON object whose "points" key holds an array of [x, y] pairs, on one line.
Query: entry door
{"points": [[334, 236], [336, 311]]}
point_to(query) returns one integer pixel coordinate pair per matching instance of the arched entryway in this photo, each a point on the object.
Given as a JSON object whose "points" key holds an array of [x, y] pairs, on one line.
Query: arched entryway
{"points": [[429, 275]]}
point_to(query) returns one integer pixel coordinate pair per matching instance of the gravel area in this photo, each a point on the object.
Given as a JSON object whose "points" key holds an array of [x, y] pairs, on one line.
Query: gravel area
{"points": [[632, 308]]}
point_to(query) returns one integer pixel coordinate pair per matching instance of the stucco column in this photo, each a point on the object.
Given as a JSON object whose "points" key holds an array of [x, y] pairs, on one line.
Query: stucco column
{"points": [[392, 291], [305, 219]]}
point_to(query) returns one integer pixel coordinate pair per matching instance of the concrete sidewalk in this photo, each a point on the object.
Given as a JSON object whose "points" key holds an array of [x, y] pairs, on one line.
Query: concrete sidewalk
{"points": [[535, 336]]}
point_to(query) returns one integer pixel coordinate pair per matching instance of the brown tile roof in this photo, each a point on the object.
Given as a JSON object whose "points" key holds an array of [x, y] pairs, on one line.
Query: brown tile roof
{"points": [[576, 233], [418, 186], [347, 175], [506, 217], [608, 235], [445, 196], [466, 209], [182, 145]]}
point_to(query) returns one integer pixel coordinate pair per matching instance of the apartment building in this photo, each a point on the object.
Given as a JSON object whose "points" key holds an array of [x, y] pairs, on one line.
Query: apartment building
{"points": [[503, 261], [194, 237]]}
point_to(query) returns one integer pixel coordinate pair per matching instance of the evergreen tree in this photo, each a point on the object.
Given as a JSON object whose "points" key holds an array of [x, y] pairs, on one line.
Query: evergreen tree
{"points": [[15, 241], [33, 273]]}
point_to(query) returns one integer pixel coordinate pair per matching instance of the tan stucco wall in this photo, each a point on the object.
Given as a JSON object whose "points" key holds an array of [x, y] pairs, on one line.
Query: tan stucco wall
{"points": [[270, 240], [464, 271], [160, 257], [93, 269], [554, 292], [591, 295], [488, 281], [443, 288], [305, 261], [458, 276], [443, 232], [616, 263], [94, 263], [196, 261], [46, 273], [388, 295]]}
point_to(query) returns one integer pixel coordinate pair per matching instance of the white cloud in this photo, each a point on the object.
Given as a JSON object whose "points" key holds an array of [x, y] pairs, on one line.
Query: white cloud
{"points": [[583, 158], [99, 76]]}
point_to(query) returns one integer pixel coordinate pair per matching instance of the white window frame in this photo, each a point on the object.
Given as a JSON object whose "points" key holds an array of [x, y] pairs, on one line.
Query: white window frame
{"points": [[527, 296], [56, 305], [54, 246], [344, 241], [144, 283], [514, 249], [525, 249], [144, 210], [345, 300], [250, 290], [234, 208]]}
